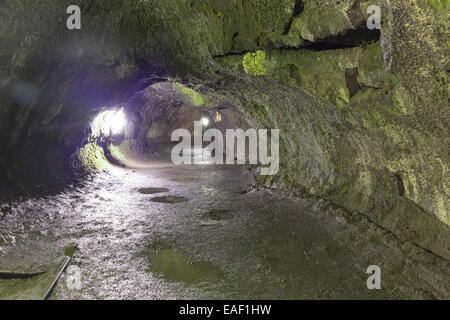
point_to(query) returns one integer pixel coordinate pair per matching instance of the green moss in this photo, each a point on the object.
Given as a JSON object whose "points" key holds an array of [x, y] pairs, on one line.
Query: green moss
{"points": [[345, 188], [318, 73], [443, 83], [33, 288], [340, 97], [233, 62], [394, 108], [372, 72], [118, 152], [92, 157], [258, 112], [441, 7], [69, 250], [255, 63], [192, 97], [357, 200], [374, 109], [319, 22]]}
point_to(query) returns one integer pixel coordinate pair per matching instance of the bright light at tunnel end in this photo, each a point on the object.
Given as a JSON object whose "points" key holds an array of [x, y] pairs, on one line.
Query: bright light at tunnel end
{"points": [[117, 122], [109, 122]]}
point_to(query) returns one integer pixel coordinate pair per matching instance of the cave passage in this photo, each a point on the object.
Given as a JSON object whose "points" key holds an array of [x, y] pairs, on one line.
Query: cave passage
{"points": [[149, 229], [208, 149]]}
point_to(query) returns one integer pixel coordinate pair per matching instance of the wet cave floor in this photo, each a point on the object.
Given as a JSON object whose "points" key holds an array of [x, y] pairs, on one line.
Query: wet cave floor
{"points": [[201, 232]]}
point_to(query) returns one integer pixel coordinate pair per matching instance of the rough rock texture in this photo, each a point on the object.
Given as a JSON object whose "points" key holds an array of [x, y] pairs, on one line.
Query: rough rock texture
{"points": [[375, 141], [394, 156]]}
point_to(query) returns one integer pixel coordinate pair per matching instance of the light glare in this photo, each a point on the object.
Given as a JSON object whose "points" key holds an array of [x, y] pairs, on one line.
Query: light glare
{"points": [[109, 122], [117, 122]]}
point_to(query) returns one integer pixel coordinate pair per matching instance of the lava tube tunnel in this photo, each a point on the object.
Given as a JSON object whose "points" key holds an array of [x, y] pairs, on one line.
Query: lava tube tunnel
{"points": [[222, 150]]}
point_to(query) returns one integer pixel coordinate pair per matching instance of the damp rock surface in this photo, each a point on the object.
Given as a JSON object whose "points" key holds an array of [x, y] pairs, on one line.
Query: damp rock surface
{"points": [[219, 215], [169, 199], [276, 246], [282, 64], [183, 180]]}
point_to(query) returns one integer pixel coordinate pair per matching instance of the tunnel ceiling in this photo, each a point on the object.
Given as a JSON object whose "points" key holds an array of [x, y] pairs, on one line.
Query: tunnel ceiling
{"points": [[362, 114]]}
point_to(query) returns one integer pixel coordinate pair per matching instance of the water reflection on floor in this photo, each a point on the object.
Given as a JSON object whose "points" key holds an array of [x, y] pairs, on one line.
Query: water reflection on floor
{"points": [[175, 266], [224, 240]]}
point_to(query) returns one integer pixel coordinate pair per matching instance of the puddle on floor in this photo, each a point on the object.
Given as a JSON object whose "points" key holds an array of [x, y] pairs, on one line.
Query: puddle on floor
{"points": [[177, 267], [184, 179], [169, 199], [216, 216], [152, 190]]}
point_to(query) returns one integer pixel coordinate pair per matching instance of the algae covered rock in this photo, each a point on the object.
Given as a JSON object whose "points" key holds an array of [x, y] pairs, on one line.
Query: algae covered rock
{"points": [[321, 22], [255, 63], [372, 69]]}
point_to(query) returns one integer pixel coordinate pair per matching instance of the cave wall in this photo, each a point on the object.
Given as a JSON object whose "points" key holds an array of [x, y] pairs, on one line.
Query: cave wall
{"points": [[364, 125], [389, 158]]}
